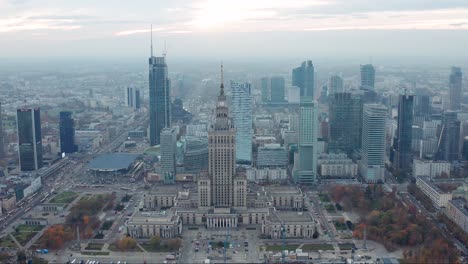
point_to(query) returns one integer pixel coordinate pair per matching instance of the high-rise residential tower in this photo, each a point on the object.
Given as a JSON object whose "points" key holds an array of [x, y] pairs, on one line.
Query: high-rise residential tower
{"points": [[303, 77], [455, 89], [335, 85], [29, 138], [277, 89], [159, 97], [241, 109], [367, 77], [449, 140], [2, 142], [345, 122], [306, 172], [371, 166], [67, 133], [168, 154], [401, 152]]}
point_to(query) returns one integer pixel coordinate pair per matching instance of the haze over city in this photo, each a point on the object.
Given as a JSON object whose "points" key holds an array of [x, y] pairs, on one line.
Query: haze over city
{"points": [[204, 131]]}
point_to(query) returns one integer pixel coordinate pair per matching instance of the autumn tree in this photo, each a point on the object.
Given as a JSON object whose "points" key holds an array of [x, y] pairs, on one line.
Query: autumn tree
{"points": [[126, 243], [174, 243], [155, 241]]}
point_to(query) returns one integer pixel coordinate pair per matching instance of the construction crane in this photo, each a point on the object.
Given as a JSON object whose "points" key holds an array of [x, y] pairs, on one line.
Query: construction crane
{"points": [[226, 241]]}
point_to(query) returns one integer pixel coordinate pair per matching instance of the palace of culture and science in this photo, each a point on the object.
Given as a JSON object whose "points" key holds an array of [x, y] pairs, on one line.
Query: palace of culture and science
{"points": [[221, 197]]}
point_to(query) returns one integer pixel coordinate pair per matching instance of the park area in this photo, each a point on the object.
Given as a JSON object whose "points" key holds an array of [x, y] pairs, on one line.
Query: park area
{"points": [[24, 233], [64, 197]]}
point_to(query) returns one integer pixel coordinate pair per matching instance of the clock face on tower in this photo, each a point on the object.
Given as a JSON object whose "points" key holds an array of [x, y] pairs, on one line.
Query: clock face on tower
{"points": [[221, 103]]}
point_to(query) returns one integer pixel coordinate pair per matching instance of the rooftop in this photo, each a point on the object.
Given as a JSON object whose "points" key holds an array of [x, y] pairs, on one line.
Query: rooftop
{"points": [[112, 161], [460, 205], [290, 216]]}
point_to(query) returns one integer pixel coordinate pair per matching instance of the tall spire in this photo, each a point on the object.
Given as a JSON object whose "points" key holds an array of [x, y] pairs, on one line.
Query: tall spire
{"points": [[151, 40], [222, 80]]}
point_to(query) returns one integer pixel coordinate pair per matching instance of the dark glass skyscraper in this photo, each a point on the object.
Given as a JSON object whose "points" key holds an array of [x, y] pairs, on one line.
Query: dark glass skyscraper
{"points": [[367, 77], [449, 140], [402, 143], [303, 77], [277, 89], [29, 138], [67, 133], [455, 89], [159, 98], [345, 122]]}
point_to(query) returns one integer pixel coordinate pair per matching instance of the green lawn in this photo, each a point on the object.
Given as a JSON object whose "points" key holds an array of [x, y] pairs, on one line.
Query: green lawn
{"points": [[329, 208], [305, 248], [324, 198], [94, 246], [340, 225], [64, 197], [7, 242], [347, 246], [114, 248], [24, 233]]}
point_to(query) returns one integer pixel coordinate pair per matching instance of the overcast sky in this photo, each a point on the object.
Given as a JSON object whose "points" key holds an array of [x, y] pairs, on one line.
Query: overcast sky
{"points": [[246, 28]]}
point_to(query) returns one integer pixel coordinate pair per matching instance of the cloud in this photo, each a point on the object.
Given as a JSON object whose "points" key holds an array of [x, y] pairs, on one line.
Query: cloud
{"points": [[28, 23]]}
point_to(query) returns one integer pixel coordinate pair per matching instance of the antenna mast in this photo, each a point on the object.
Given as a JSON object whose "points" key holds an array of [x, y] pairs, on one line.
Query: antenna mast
{"points": [[151, 30]]}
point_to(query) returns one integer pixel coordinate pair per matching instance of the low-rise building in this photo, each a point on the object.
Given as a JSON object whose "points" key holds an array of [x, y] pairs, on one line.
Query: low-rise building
{"points": [[294, 224], [438, 197], [285, 197], [457, 211], [165, 224], [8, 202], [431, 168], [336, 165]]}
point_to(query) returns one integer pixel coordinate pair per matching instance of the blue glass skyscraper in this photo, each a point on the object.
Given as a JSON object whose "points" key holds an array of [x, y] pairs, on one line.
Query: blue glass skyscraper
{"points": [[159, 98], [241, 108]]}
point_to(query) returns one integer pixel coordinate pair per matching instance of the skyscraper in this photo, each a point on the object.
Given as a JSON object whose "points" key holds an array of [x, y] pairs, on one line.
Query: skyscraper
{"points": [[367, 77], [265, 85], [345, 121], [335, 85], [67, 133], [222, 154], [308, 125], [371, 166], [29, 138], [133, 98], [402, 155], [455, 89], [2, 142], [449, 139], [241, 110], [159, 97], [168, 154], [303, 77], [277, 89]]}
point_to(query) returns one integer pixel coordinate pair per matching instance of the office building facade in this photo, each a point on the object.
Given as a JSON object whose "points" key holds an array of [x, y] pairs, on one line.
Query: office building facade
{"points": [[304, 78], [345, 122], [449, 140], [168, 154], [241, 109], [373, 143], [367, 77], [2, 140], [133, 98], [277, 89], [159, 98], [306, 172], [335, 85], [455, 89], [29, 138], [67, 133], [402, 155]]}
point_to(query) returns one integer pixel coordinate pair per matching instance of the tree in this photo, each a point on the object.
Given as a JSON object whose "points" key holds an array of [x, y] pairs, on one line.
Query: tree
{"points": [[155, 241], [175, 243], [126, 243]]}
